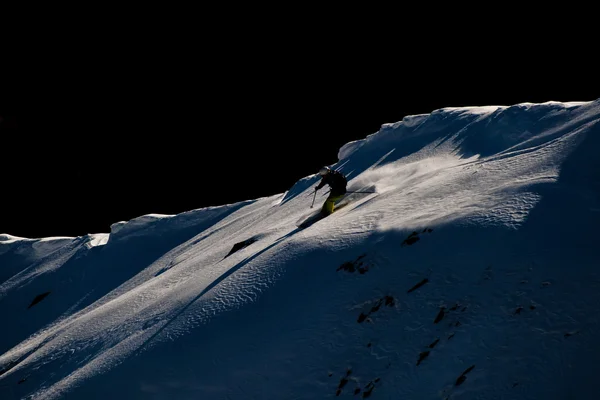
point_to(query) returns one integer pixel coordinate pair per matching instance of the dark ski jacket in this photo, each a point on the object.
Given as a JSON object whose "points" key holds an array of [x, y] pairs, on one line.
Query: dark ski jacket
{"points": [[336, 180]]}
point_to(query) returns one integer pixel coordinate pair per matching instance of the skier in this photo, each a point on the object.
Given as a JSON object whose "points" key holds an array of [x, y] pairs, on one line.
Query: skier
{"points": [[337, 181]]}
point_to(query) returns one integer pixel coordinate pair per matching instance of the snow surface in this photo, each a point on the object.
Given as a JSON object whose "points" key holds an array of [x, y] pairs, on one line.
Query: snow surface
{"points": [[471, 273]]}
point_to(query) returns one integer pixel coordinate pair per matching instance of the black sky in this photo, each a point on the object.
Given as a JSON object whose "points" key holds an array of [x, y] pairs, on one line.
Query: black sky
{"points": [[99, 131]]}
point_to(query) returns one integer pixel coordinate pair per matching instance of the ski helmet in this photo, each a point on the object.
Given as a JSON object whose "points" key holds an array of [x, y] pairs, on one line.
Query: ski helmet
{"points": [[324, 171]]}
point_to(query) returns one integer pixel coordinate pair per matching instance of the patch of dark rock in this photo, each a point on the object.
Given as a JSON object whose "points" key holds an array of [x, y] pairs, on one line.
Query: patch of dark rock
{"points": [[376, 307], [418, 285], [423, 355], [440, 315], [389, 301], [451, 336], [463, 376], [468, 369], [518, 310], [362, 270], [356, 391], [414, 237], [38, 298], [353, 266], [532, 307], [240, 245], [568, 334], [432, 345], [341, 386], [347, 266], [368, 390], [410, 240], [343, 382]]}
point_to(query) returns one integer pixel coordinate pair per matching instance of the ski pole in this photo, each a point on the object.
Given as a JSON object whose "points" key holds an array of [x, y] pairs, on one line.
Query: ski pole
{"points": [[358, 191], [314, 197]]}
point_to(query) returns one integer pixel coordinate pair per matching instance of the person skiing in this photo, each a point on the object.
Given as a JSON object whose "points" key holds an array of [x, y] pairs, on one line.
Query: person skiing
{"points": [[337, 181]]}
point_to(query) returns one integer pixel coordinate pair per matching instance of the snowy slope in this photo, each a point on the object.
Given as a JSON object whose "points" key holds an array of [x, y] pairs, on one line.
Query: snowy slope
{"points": [[472, 273]]}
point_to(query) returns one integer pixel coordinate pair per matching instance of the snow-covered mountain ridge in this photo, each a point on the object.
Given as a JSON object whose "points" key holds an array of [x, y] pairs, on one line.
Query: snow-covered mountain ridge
{"points": [[471, 273]]}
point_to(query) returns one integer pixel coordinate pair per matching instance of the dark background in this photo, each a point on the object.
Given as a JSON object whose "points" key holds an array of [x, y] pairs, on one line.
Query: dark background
{"points": [[95, 130]]}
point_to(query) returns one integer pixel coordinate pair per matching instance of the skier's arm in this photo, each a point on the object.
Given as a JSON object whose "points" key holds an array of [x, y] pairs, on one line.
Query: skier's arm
{"points": [[321, 184]]}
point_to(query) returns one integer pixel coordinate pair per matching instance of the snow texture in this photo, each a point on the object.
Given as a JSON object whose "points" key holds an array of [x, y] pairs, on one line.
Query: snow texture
{"points": [[471, 273]]}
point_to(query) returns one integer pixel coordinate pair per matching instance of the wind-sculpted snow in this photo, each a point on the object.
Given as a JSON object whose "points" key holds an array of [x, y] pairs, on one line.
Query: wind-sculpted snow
{"points": [[17, 253], [470, 272]]}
